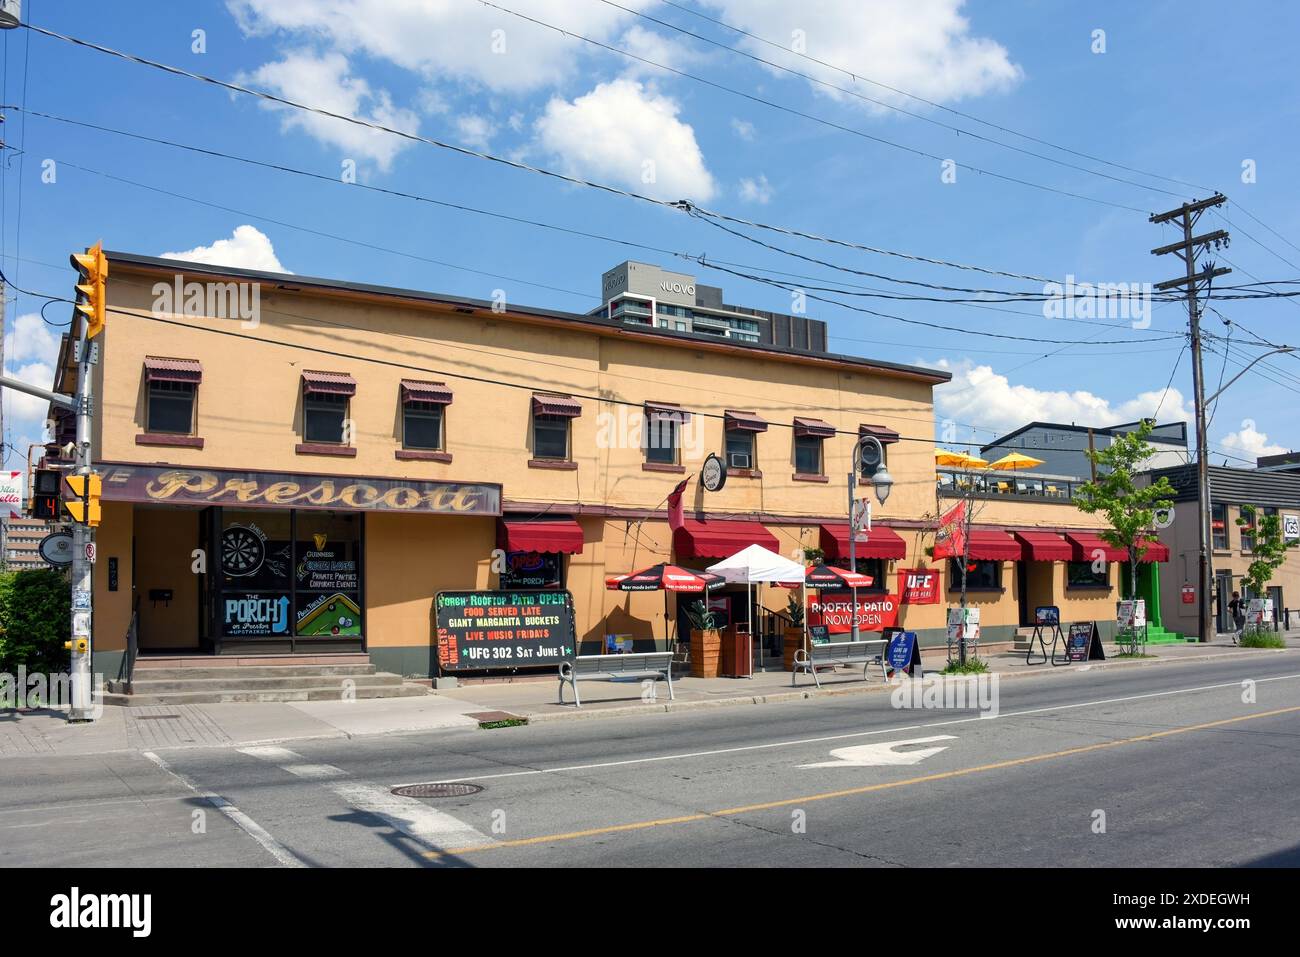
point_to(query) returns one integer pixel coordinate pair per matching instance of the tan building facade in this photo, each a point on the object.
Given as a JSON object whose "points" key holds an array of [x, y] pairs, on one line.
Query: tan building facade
{"points": [[302, 465]]}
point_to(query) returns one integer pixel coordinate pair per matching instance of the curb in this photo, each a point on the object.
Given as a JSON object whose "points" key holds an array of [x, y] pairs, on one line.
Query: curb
{"points": [[860, 689]]}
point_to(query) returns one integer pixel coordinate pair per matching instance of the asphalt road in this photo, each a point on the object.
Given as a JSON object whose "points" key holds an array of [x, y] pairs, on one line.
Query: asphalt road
{"points": [[1167, 765]]}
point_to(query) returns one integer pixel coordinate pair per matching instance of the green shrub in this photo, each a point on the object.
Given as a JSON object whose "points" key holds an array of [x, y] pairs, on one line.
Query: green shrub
{"points": [[973, 666], [34, 620], [1263, 639]]}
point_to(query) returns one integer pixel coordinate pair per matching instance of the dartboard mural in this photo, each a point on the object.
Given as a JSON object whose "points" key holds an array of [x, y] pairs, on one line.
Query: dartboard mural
{"points": [[242, 551]]}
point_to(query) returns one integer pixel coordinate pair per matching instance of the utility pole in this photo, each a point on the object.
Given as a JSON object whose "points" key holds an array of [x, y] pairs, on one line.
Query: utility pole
{"points": [[1186, 216]]}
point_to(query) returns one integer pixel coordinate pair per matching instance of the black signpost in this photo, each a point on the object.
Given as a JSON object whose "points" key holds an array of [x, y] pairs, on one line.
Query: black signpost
{"points": [[1082, 644], [1047, 621], [494, 630]]}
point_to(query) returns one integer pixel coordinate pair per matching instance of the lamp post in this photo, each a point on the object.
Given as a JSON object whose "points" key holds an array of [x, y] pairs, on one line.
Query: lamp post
{"points": [[869, 461]]}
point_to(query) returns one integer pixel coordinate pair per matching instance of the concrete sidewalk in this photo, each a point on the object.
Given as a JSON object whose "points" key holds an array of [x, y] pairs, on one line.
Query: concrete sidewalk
{"points": [[223, 725]]}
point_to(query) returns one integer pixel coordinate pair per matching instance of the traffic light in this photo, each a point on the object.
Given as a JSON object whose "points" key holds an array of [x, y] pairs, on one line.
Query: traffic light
{"points": [[84, 506], [44, 502], [93, 266]]}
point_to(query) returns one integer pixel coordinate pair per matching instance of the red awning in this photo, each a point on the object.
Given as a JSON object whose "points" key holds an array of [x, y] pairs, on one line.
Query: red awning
{"points": [[559, 405], [882, 542], [720, 538], [1044, 546], [994, 545], [666, 412], [735, 421], [159, 369], [885, 435], [414, 390], [1086, 544], [1156, 551], [805, 426], [541, 535], [333, 383]]}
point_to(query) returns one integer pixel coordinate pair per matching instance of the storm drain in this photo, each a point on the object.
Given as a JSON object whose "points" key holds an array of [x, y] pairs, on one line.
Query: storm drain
{"points": [[437, 790]]}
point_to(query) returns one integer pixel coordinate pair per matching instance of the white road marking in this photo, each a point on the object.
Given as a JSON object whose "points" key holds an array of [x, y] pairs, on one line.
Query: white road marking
{"points": [[241, 820], [881, 754], [852, 734], [435, 829]]}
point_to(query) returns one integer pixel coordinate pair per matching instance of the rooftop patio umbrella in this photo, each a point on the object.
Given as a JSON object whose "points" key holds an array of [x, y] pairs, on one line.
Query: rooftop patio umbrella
{"points": [[1014, 460], [664, 577], [950, 459]]}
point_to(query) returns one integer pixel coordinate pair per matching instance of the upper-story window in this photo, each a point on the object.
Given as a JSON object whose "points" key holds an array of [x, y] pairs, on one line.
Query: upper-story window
{"points": [[663, 430], [740, 431], [1247, 530], [809, 436], [172, 390], [424, 415], [1219, 526], [552, 426], [886, 436], [326, 397]]}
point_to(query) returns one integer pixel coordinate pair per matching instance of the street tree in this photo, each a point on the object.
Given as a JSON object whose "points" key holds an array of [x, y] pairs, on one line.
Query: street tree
{"points": [[1269, 549]]}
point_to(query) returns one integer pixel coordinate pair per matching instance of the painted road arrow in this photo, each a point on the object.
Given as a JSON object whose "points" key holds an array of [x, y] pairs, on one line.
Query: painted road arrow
{"points": [[881, 754]]}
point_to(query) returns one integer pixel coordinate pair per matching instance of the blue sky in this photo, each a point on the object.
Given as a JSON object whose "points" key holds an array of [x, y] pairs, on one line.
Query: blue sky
{"points": [[1190, 91]]}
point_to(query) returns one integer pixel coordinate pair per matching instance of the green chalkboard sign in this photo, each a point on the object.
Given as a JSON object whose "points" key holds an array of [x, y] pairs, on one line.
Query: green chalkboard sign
{"points": [[495, 630]]}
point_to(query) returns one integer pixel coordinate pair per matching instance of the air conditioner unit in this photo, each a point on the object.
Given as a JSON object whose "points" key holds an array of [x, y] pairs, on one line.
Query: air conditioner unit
{"points": [[738, 460]]}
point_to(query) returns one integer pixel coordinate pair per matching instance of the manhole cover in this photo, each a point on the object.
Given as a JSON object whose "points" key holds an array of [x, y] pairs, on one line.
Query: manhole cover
{"points": [[437, 790]]}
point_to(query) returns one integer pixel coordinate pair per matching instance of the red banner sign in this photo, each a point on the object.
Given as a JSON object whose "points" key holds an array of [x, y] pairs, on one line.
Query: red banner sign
{"points": [[834, 609], [918, 586]]}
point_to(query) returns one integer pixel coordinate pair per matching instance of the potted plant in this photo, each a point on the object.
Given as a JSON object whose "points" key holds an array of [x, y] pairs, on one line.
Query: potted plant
{"points": [[794, 632], [706, 641]]}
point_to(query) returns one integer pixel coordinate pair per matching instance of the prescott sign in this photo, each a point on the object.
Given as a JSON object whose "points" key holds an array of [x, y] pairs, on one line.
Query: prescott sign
{"points": [[180, 486]]}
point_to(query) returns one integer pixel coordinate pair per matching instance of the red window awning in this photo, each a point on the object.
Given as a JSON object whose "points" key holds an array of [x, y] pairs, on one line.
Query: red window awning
{"points": [[540, 535], [885, 435], [1044, 546], [1086, 544], [720, 538], [994, 545], [666, 412], [882, 542], [735, 421], [815, 427], [414, 390], [160, 369], [558, 405], [1155, 551], [332, 383]]}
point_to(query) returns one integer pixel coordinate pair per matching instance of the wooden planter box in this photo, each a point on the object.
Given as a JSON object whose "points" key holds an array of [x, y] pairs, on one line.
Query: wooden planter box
{"points": [[793, 642], [706, 653]]}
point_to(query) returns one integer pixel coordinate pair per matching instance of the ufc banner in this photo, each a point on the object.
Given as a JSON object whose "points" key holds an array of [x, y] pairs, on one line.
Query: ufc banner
{"points": [[834, 609], [918, 586]]}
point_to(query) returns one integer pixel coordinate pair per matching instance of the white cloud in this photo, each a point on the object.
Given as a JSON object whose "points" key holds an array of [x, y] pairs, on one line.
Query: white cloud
{"points": [[625, 132], [922, 46], [247, 248], [327, 81], [756, 190], [1252, 442], [26, 412], [980, 397], [449, 39], [30, 340], [743, 128], [657, 48], [474, 130]]}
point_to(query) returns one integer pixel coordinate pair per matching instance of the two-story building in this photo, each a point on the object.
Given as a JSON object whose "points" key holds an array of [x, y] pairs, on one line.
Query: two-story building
{"points": [[299, 465]]}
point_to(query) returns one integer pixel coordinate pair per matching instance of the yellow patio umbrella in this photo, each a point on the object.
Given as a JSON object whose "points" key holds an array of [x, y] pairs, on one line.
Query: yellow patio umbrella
{"points": [[947, 458], [1014, 460], [975, 462]]}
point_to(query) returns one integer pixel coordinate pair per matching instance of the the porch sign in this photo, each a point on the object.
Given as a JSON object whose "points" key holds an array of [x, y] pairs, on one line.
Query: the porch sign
{"points": [[834, 611], [167, 485]]}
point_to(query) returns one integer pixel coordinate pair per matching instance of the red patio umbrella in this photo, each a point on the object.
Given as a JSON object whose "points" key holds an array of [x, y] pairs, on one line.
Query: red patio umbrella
{"points": [[666, 577], [828, 576]]}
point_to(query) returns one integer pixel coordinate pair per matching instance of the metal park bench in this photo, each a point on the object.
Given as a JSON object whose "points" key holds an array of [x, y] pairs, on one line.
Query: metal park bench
{"points": [[830, 654], [650, 664]]}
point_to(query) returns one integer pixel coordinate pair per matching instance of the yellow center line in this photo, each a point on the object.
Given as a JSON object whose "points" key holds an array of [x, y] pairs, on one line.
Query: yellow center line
{"points": [[851, 792]]}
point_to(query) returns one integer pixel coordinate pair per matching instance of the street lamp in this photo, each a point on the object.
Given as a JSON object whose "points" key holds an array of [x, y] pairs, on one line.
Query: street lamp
{"points": [[869, 461]]}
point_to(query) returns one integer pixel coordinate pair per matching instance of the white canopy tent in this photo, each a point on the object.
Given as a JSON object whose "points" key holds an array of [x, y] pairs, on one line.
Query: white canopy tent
{"points": [[755, 565]]}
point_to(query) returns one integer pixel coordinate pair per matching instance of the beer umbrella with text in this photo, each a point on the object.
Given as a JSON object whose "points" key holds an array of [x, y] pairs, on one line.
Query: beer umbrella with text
{"points": [[664, 577]]}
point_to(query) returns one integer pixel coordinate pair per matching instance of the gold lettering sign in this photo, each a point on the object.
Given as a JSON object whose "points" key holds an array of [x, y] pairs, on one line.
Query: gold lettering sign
{"points": [[203, 487]]}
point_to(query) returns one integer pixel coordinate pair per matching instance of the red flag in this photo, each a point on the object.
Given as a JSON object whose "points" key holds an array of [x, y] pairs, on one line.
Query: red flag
{"points": [[675, 518], [951, 538]]}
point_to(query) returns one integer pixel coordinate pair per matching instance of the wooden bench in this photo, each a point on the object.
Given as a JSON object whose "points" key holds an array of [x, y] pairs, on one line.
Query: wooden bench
{"points": [[650, 664], [829, 654]]}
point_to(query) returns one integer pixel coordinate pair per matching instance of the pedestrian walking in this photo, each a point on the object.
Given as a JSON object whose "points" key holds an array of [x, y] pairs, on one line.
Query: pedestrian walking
{"points": [[1237, 609]]}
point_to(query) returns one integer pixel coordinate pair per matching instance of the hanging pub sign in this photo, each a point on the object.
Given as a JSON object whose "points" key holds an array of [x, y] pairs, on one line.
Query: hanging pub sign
{"points": [[1083, 643], [835, 610], [485, 630], [918, 586], [155, 484], [525, 570]]}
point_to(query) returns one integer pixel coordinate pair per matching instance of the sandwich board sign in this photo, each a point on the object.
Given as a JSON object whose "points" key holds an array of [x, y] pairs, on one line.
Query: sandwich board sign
{"points": [[904, 653], [1084, 643]]}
